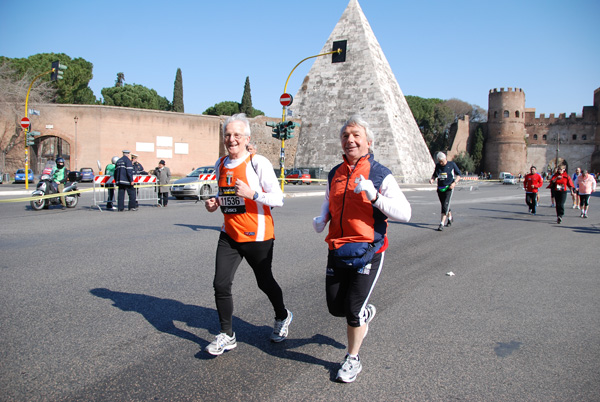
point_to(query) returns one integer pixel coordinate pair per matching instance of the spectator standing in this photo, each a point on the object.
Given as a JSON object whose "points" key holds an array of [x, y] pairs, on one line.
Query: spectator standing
{"points": [[248, 189], [360, 196], [163, 174], [138, 169], [110, 186], [587, 185], [124, 181]]}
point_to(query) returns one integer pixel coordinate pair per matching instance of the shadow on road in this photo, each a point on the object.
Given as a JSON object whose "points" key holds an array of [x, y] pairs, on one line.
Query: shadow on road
{"points": [[199, 227], [162, 314]]}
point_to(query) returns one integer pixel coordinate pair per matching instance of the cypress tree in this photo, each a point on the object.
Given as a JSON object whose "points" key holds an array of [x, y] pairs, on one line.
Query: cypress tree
{"points": [[178, 93], [246, 105], [478, 147]]}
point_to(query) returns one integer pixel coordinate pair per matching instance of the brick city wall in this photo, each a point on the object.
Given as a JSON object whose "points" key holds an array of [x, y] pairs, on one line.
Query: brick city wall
{"points": [[184, 141]]}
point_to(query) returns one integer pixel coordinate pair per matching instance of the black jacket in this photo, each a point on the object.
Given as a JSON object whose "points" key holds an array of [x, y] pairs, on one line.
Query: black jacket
{"points": [[124, 171]]}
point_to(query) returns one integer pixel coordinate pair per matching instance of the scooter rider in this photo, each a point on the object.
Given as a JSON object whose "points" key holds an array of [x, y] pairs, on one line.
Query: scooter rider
{"points": [[59, 177]]}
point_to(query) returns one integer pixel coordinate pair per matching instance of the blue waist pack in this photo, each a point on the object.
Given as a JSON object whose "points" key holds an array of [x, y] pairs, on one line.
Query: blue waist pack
{"points": [[355, 255]]}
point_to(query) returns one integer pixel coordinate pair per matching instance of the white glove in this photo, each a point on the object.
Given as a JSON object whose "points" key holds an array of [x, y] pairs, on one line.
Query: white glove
{"points": [[366, 186], [319, 223]]}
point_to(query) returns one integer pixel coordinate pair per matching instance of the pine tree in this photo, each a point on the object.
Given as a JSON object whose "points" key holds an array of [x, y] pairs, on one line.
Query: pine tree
{"points": [[246, 105], [178, 93]]}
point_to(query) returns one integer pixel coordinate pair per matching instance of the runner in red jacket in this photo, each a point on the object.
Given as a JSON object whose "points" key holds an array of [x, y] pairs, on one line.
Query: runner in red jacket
{"points": [[559, 183], [533, 181]]}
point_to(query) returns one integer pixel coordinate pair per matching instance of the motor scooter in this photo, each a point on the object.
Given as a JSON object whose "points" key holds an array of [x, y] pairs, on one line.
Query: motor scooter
{"points": [[46, 187]]}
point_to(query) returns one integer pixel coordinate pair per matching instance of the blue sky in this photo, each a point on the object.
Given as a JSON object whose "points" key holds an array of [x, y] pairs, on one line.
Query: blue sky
{"points": [[443, 49]]}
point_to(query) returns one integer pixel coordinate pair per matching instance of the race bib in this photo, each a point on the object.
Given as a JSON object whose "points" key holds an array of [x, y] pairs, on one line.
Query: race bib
{"points": [[560, 187], [231, 203]]}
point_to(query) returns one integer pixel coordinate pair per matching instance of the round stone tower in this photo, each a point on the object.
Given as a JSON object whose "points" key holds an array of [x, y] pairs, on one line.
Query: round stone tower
{"points": [[505, 148]]}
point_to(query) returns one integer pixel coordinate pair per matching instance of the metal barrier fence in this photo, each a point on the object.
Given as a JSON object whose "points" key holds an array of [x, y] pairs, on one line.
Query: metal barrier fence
{"points": [[468, 183], [146, 188]]}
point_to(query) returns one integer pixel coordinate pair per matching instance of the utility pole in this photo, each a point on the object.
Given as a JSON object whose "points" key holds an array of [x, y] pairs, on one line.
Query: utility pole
{"points": [[284, 129]]}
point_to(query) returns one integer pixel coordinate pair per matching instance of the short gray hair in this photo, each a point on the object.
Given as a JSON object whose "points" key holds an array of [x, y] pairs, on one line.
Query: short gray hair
{"points": [[238, 117], [357, 120], [440, 156]]}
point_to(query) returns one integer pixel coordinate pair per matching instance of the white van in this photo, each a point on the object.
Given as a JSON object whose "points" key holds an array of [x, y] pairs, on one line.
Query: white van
{"points": [[502, 174]]}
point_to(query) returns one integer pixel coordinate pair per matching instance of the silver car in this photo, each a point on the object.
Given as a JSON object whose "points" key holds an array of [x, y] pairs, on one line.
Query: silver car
{"points": [[199, 184]]}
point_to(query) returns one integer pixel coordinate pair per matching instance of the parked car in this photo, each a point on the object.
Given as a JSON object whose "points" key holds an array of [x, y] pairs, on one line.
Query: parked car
{"points": [[201, 183], [87, 174], [295, 176], [509, 179], [20, 176]]}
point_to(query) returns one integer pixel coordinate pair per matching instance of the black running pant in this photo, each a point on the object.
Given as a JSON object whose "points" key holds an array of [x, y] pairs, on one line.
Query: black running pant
{"points": [[445, 197], [348, 290], [259, 256], [531, 200], [559, 198]]}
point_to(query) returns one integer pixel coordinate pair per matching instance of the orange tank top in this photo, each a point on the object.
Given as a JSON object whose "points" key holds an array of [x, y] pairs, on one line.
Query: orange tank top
{"points": [[245, 220]]}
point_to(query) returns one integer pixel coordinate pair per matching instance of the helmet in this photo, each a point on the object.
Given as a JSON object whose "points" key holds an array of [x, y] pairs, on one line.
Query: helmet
{"points": [[60, 163], [114, 159]]}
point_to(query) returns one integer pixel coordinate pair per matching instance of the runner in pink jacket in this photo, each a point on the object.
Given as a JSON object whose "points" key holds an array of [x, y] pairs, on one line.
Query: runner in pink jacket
{"points": [[587, 185]]}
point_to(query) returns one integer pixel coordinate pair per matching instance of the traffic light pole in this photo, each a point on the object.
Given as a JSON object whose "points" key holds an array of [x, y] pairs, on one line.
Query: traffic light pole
{"points": [[26, 130], [284, 112]]}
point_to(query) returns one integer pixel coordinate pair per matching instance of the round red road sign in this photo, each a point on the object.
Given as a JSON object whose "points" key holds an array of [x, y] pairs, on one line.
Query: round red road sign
{"points": [[286, 99], [25, 122]]}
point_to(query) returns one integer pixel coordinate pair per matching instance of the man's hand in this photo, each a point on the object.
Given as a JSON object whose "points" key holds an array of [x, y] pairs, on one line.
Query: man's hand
{"points": [[366, 186], [243, 190], [319, 223], [431, 181], [212, 204]]}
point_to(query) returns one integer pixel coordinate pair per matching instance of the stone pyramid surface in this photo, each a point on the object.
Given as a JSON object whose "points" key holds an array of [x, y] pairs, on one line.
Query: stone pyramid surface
{"points": [[364, 84]]}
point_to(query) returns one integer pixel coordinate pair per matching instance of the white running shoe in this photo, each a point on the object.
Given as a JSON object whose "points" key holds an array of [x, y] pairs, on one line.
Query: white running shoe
{"points": [[350, 369], [222, 343], [280, 328]]}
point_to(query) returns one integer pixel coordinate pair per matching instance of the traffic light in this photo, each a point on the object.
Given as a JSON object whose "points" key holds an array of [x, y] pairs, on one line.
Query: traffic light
{"points": [[339, 47], [287, 129], [57, 71], [31, 137], [276, 129]]}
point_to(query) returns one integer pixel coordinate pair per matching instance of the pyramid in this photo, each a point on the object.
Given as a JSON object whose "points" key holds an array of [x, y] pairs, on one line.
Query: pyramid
{"points": [[363, 84]]}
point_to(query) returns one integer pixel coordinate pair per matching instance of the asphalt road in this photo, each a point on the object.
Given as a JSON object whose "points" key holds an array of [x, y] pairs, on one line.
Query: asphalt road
{"points": [[104, 306]]}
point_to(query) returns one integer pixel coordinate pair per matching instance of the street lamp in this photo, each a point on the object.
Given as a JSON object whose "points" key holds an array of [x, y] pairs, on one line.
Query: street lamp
{"points": [[76, 119]]}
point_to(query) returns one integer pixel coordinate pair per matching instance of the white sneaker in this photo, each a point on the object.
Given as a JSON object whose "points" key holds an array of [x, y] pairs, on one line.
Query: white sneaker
{"points": [[350, 369], [222, 343], [280, 328]]}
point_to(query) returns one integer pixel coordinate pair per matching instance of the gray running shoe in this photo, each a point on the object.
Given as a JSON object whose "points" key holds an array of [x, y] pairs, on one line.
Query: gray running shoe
{"points": [[350, 369], [222, 343], [371, 311], [280, 328], [449, 222], [440, 228]]}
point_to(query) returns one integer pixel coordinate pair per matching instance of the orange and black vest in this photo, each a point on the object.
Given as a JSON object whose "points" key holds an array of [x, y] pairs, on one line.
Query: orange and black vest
{"points": [[245, 220], [353, 218]]}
